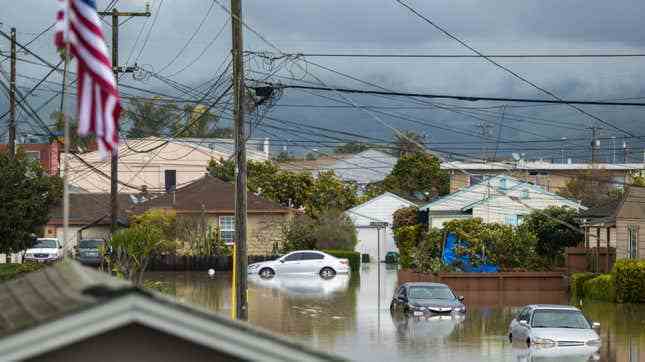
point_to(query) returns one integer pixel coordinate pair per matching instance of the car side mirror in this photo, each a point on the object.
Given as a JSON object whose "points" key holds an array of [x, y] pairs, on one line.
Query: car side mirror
{"points": [[525, 324], [282, 260], [460, 298], [595, 325], [60, 246]]}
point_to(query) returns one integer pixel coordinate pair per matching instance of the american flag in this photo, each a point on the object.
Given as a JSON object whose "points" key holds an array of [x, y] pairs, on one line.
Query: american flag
{"points": [[98, 104]]}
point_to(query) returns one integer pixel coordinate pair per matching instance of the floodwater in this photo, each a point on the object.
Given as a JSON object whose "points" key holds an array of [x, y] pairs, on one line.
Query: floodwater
{"points": [[350, 317]]}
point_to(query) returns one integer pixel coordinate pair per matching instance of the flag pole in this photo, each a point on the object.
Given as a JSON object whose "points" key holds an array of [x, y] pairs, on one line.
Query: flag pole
{"points": [[66, 143]]}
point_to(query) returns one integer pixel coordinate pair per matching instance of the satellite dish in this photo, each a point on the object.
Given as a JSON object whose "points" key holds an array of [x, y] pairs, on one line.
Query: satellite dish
{"points": [[516, 156]]}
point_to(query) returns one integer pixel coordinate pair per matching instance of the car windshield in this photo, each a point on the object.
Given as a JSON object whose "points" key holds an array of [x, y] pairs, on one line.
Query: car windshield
{"points": [[430, 293], [90, 244], [45, 243], [559, 318]]}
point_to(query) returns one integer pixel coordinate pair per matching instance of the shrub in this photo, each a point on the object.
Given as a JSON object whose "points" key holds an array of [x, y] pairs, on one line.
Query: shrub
{"points": [[354, 258], [406, 238], [577, 284], [629, 280], [427, 255], [11, 271], [600, 288], [331, 230]]}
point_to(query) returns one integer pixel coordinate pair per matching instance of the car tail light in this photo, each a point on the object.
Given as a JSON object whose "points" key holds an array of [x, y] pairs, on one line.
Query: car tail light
{"points": [[344, 261]]}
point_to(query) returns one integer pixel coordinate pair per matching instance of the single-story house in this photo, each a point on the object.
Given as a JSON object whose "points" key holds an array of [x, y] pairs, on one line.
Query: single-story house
{"points": [[499, 199], [70, 313], [618, 225], [208, 196], [380, 210], [215, 200]]}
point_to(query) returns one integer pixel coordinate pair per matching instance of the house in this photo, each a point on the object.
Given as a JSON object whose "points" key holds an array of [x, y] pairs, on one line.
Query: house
{"points": [[67, 312], [499, 199], [362, 168], [214, 199], [552, 177], [380, 210], [619, 225], [89, 217], [45, 153], [154, 163]]}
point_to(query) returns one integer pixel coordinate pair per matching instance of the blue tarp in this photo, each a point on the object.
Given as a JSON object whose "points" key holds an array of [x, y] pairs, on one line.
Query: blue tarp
{"points": [[449, 257]]}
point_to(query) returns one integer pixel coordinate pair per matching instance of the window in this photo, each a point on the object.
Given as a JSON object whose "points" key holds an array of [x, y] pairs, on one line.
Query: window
{"points": [[559, 318], [502, 184], [618, 182], [33, 155], [520, 219], [293, 257], [525, 194], [632, 241], [524, 315], [476, 179], [227, 228], [311, 256], [510, 219]]}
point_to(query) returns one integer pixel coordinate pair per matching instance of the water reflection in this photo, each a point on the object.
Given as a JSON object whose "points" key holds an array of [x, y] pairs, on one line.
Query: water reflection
{"points": [[556, 354], [347, 315]]}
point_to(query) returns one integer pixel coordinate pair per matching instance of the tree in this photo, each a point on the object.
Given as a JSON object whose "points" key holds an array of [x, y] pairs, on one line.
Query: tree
{"points": [[329, 192], [552, 236], [78, 143], [331, 230], [408, 142], [417, 174], [222, 169], [200, 123], [26, 194], [283, 156], [130, 250], [148, 118], [352, 147], [592, 189]]}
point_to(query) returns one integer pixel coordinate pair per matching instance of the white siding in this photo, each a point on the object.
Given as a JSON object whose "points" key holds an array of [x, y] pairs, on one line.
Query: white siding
{"points": [[439, 221]]}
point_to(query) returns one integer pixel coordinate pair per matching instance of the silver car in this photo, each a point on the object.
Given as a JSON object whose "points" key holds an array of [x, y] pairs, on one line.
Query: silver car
{"points": [[301, 262], [548, 325]]}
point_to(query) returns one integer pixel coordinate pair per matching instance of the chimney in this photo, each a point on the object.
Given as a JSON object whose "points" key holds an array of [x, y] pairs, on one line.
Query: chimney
{"points": [[569, 161]]}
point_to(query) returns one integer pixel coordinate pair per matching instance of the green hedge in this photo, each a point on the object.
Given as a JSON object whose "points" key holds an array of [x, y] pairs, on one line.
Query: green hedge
{"points": [[600, 288], [629, 279], [577, 284], [353, 256], [11, 271]]}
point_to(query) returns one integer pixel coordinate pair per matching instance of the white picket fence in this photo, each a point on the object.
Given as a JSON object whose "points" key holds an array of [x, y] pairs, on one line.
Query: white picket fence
{"points": [[11, 258]]}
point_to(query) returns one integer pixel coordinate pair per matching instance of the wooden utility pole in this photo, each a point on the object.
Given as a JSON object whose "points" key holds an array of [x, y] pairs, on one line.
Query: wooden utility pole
{"points": [[240, 161], [114, 174], [12, 96]]}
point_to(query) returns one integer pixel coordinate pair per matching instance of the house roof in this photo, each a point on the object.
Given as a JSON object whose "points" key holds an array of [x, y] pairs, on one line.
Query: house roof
{"points": [[254, 150], [212, 195], [498, 186], [313, 166], [537, 165], [85, 208], [365, 167], [631, 206], [67, 303]]}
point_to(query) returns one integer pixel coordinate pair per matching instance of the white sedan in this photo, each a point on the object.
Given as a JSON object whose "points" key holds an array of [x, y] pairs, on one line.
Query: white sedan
{"points": [[302, 262], [45, 250]]}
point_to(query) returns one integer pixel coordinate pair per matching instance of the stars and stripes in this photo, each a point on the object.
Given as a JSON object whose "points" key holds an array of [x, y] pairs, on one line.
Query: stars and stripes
{"points": [[98, 103]]}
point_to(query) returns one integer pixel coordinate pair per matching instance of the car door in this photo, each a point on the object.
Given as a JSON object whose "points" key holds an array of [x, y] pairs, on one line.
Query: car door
{"points": [[310, 262], [290, 263]]}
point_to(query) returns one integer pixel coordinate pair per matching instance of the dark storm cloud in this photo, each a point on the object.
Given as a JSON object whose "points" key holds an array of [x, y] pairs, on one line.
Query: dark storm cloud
{"points": [[538, 26]]}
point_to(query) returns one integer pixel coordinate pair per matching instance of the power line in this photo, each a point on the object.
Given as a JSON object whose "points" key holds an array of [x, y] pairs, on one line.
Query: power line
{"points": [[461, 98], [508, 70], [399, 55]]}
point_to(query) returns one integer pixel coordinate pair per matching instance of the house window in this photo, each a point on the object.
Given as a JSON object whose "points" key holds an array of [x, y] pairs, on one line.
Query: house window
{"points": [[476, 179], [227, 228], [170, 179], [632, 241], [502, 184], [520, 219], [510, 219], [525, 194], [33, 155]]}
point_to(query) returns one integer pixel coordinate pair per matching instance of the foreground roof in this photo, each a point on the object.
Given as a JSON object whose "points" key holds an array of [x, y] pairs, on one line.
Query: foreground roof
{"points": [[86, 208], [67, 303]]}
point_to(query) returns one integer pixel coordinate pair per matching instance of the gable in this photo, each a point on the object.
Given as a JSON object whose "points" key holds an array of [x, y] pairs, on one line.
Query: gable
{"points": [[380, 208]]}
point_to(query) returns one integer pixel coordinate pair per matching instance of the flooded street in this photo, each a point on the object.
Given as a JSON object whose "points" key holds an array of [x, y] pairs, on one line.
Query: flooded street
{"points": [[345, 316]]}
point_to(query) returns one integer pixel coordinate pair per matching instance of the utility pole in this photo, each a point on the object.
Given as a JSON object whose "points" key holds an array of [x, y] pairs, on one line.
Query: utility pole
{"points": [[114, 173], [12, 96], [485, 127], [240, 161]]}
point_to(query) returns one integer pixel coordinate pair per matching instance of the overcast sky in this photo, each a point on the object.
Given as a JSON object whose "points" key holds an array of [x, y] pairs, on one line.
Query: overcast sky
{"points": [[383, 26]]}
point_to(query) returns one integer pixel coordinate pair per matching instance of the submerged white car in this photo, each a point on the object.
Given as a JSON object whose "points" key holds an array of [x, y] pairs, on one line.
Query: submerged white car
{"points": [[547, 326], [301, 262], [44, 250]]}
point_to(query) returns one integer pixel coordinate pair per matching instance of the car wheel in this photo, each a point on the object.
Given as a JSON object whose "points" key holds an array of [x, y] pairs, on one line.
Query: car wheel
{"points": [[528, 342], [391, 307], [266, 273], [327, 272]]}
